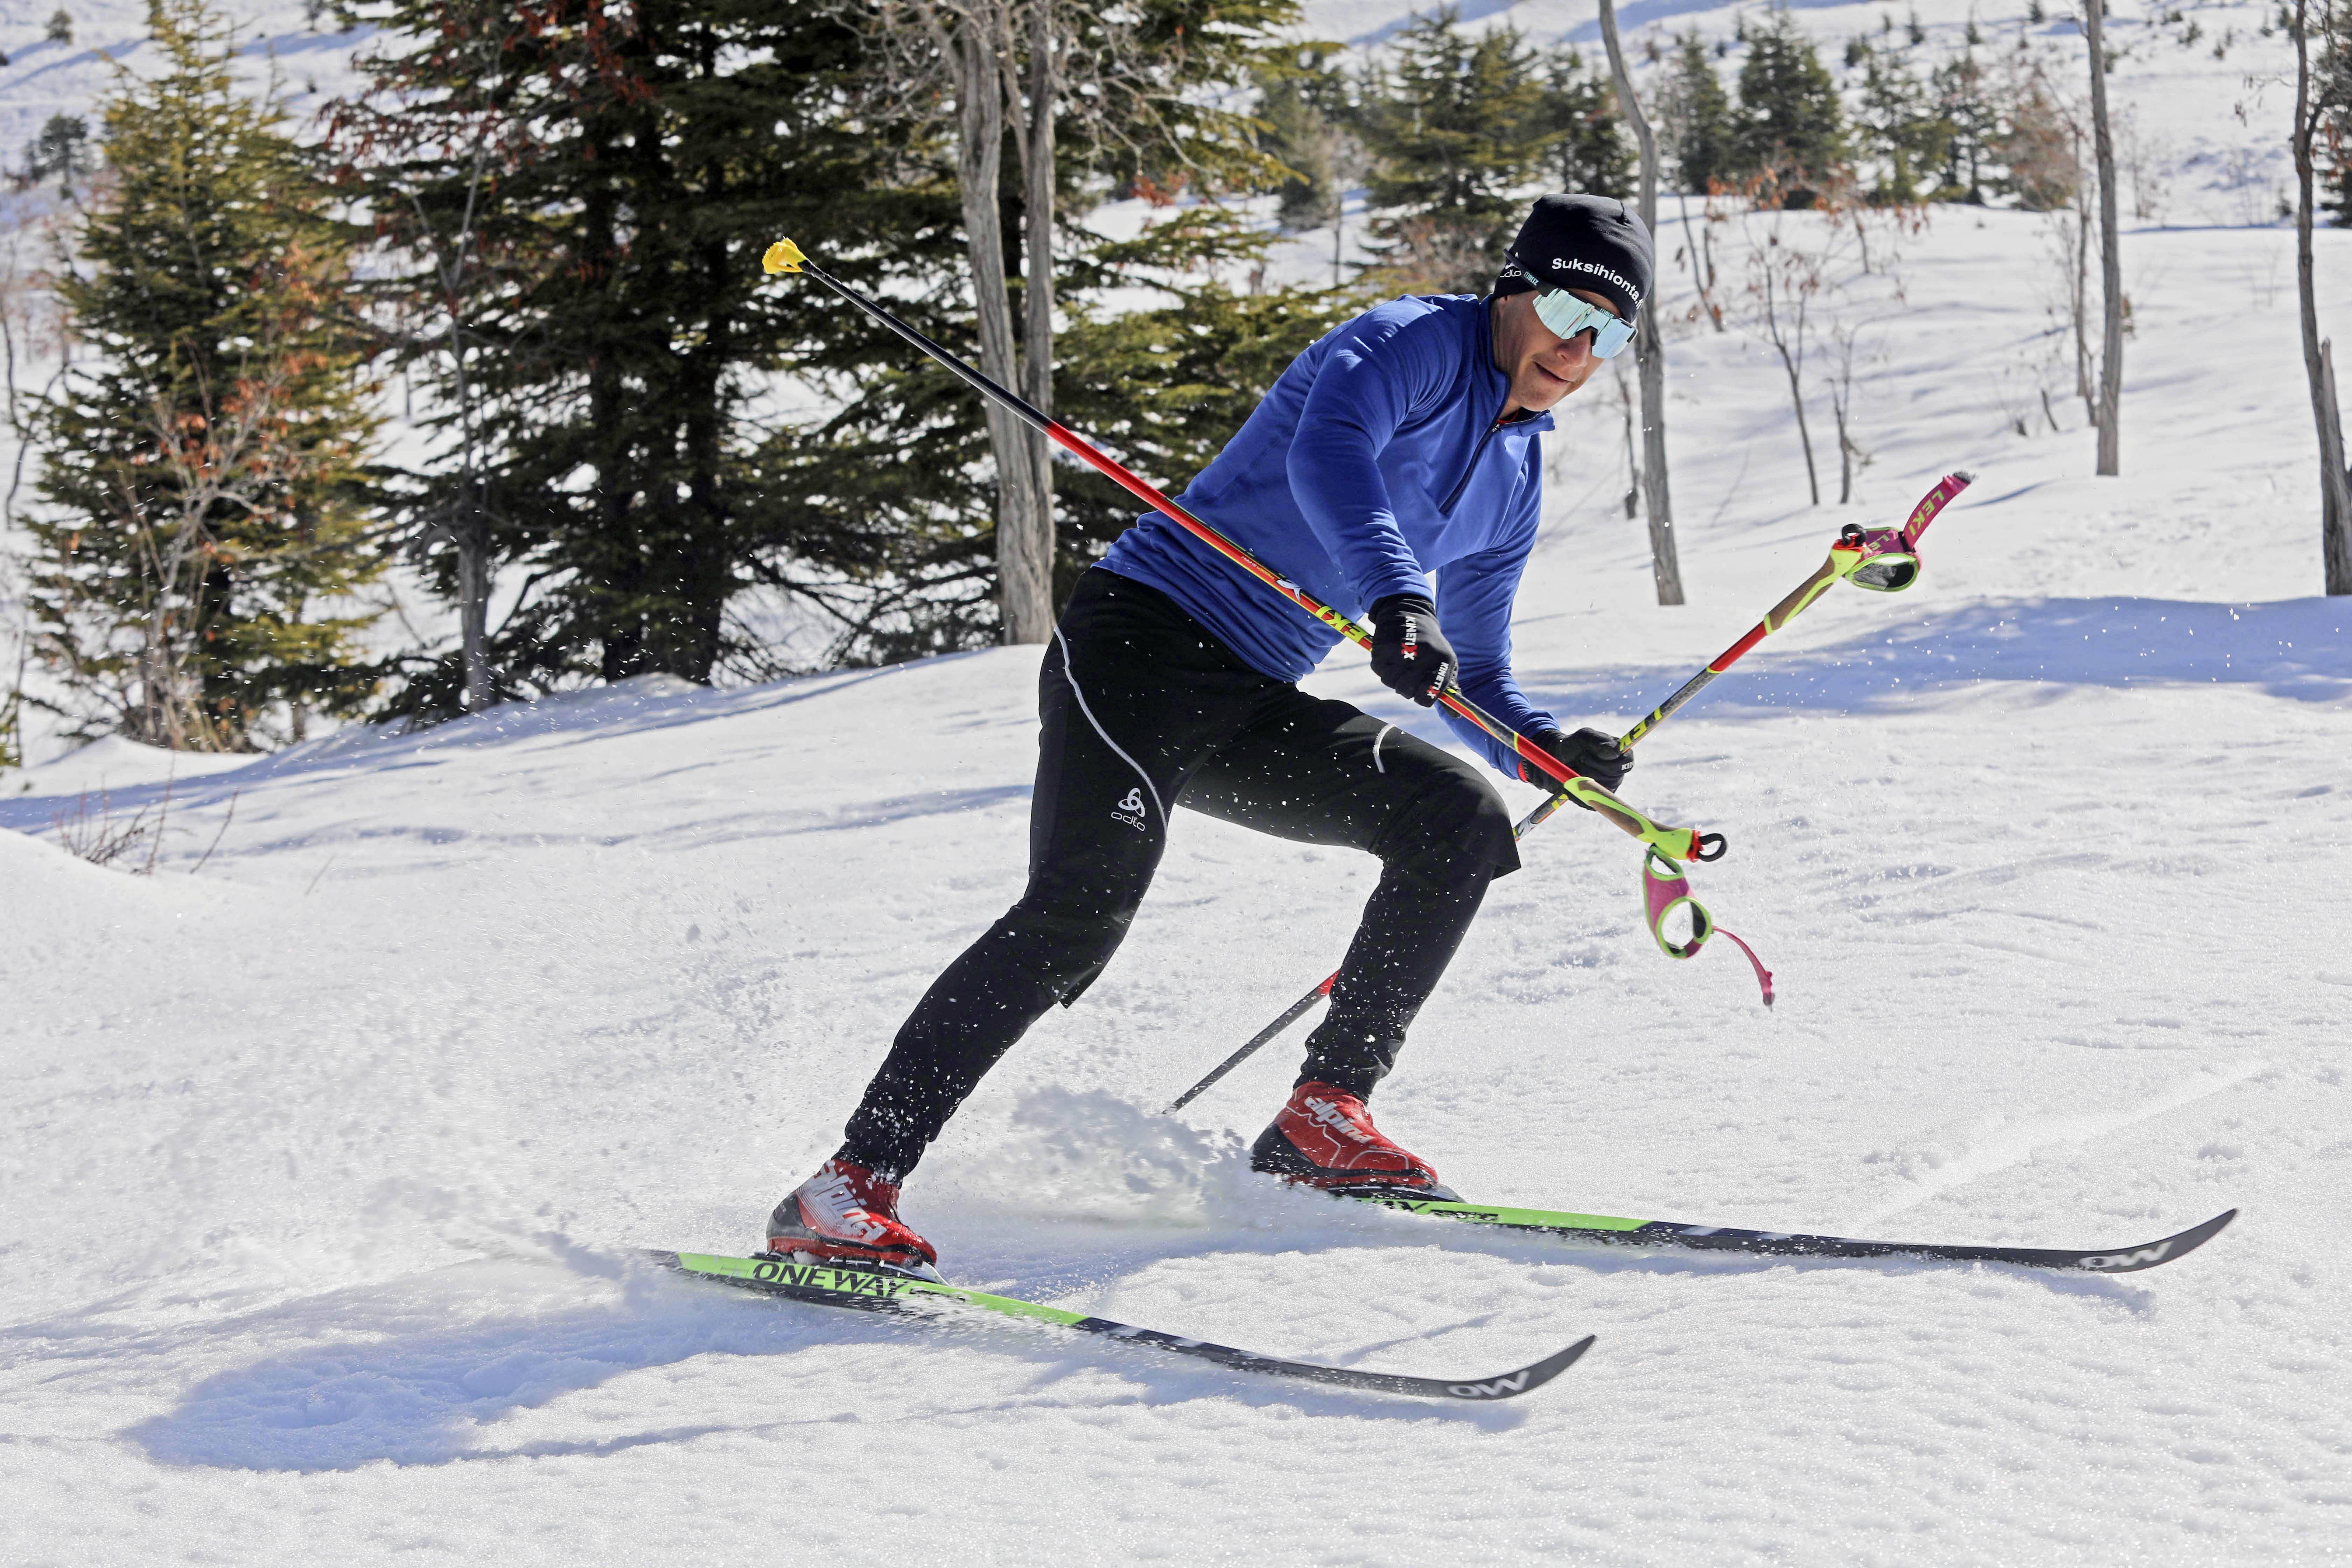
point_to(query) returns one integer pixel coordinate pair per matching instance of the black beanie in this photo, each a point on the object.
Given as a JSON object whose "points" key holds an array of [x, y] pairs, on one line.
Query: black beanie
{"points": [[1594, 243]]}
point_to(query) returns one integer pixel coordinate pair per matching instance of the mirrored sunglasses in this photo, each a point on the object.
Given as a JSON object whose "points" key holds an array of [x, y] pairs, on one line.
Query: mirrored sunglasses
{"points": [[1567, 315]]}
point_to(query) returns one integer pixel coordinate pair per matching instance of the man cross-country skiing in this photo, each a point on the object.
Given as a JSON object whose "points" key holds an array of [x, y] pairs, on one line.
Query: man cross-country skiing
{"points": [[1402, 444]]}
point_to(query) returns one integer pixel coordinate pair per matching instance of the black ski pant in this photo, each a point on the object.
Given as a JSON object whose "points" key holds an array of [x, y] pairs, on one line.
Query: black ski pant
{"points": [[1144, 709]]}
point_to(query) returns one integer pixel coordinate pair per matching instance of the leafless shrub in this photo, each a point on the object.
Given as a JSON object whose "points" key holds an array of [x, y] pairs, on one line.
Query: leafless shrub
{"points": [[1807, 272], [107, 838]]}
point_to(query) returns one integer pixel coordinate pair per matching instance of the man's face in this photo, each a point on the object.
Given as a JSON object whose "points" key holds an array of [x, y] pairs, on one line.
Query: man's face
{"points": [[1543, 366]]}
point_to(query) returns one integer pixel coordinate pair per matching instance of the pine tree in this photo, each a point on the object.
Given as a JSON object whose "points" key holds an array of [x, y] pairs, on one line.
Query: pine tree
{"points": [[632, 473], [1700, 131], [1790, 127], [2036, 145], [1168, 387], [624, 170], [1969, 121], [206, 504], [1593, 152], [1897, 128], [1456, 127], [61, 148], [1304, 109]]}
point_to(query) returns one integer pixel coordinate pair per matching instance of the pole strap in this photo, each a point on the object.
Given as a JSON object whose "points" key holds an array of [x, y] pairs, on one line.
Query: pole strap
{"points": [[1666, 890]]}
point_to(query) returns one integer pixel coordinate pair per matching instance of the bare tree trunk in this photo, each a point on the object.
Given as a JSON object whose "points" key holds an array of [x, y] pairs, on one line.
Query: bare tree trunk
{"points": [[1842, 407], [2083, 387], [1024, 594], [1788, 341], [1797, 396], [2079, 291], [472, 537], [470, 529], [1665, 566], [1338, 232], [2111, 260], [1632, 452], [2318, 357], [2336, 518], [2335, 521], [474, 608], [1703, 280], [1037, 294]]}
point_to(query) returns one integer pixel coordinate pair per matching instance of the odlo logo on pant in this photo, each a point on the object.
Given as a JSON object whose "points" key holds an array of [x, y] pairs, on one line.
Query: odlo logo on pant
{"points": [[1130, 810]]}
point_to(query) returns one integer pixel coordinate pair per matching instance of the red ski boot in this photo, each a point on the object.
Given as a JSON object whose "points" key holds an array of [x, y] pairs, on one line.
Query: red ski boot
{"points": [[1325, 1138], [847, 1215]]}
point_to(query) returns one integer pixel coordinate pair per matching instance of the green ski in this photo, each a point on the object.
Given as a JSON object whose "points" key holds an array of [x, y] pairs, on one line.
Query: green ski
{"points": [[880, 1290]]}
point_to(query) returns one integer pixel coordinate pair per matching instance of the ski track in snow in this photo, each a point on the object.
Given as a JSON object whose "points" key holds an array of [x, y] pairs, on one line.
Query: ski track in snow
{"points": [[324, 1165]]}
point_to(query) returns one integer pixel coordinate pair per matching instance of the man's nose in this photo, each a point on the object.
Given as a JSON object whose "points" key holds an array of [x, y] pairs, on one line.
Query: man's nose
{"points": [[1573, 352]]}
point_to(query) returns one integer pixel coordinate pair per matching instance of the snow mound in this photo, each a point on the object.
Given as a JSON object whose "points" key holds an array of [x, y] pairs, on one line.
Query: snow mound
{"points": [[54, 902], [115, 763]]}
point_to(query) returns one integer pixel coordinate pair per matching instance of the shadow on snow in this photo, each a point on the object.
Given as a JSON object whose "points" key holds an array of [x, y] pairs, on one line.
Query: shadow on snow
{"points": [[2300, 649], [421, 1392], [439, 1361]]}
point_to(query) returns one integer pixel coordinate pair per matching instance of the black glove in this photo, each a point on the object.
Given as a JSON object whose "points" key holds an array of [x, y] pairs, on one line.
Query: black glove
{"points": [[1409, 655], [1589, 751]]}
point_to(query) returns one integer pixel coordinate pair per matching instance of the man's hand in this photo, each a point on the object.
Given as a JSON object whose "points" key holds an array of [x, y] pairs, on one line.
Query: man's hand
{"points": [[1409, 655], [1588, 752]]}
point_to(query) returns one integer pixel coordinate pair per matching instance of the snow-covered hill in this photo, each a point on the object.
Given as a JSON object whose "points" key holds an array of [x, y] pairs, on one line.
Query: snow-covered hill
{"points": [[323, 1160], [326, 1144]]}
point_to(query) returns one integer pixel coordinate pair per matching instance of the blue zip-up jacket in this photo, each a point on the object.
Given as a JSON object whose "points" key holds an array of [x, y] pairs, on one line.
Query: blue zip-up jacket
{"points": [[1377, 460]]}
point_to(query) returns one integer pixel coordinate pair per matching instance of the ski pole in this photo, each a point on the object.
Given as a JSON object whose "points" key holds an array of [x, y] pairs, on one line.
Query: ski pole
{"points": [[1682, 843], [1854, 547]]}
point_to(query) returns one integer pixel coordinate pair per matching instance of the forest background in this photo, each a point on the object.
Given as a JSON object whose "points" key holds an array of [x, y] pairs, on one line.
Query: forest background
{"points": [[460, 384]]}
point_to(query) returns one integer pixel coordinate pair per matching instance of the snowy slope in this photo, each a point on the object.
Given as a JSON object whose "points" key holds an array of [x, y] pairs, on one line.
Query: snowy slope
{"points": [[322, 1164]]}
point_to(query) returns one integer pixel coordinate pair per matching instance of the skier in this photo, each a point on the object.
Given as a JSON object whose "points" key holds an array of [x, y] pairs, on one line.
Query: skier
{"points": [[1400, 444]]}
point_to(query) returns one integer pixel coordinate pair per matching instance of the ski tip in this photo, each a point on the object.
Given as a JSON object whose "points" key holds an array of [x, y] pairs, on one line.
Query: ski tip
{"points": [[1568, 1358], [2134, 1259], [1525, 1380], [2199, 1235]]}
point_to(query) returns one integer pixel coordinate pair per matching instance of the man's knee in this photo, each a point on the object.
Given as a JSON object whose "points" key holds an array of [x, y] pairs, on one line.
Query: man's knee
{"points": [[1064, 929], [1456, 826]]}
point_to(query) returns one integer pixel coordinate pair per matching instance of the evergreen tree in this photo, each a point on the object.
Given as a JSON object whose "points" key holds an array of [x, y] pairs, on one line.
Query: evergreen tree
{"points": [[203, 476], [1969, 121], [1593, 152], [1897, 128], [1456, 127], [624, 171], [1304, 109], [1791, 128], [1700, 131], [61, 148], [2036, 145], [904, 463], [1166, 387]]}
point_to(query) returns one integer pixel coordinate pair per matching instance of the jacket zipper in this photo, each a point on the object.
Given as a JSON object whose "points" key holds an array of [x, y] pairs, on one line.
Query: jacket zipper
{"points": [[1446, 509]]}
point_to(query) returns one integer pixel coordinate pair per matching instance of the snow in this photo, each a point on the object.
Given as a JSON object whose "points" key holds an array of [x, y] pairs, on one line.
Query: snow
{"points": [[325, 1156], [326, 1161]]}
